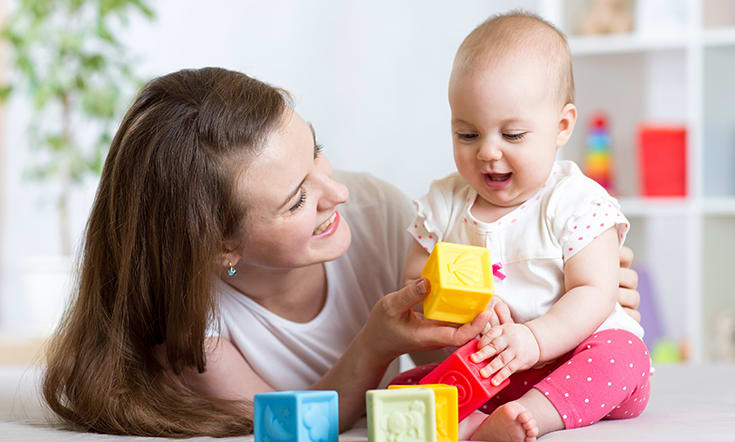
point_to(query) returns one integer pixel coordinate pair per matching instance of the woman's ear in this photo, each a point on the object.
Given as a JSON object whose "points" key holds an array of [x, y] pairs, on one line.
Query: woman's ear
{"points": [[229, 256], [567, 120]]}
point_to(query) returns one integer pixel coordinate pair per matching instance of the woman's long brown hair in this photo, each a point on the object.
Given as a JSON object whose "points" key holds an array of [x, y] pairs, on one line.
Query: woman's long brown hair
{"points": [[164, 206]]}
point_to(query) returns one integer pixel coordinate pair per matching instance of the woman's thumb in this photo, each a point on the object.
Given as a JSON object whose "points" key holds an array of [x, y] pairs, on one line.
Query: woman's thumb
{"points": [[410, 295]]}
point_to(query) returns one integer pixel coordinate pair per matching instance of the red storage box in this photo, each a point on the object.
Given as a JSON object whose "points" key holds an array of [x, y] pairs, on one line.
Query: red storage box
{"points": [[662, 160]]}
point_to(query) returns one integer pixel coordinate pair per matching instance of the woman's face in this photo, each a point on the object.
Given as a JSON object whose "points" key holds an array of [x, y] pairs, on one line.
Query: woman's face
{"points": [[291, 203]]}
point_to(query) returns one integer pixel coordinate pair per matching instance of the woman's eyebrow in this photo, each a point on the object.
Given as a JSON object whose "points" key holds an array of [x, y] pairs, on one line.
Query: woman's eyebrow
{"points": [[313, 134], [295, 191]]}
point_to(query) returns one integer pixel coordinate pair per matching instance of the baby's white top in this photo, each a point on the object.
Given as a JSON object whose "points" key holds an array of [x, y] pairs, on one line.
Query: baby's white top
{"points": [[292, 356], [533, 241]]}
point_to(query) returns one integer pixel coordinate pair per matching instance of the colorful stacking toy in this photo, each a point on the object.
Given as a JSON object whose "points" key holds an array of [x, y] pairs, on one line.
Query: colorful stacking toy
{"points": [[296, 416], [598, 157], [461, 280]]}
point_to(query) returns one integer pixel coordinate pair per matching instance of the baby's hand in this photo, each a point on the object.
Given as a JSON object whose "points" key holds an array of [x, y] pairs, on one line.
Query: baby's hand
{"points": [[516, 349], [499, 313]]}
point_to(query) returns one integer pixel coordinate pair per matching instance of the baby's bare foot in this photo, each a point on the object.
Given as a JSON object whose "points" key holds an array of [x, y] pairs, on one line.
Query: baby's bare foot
{"points": [[510, 422]]}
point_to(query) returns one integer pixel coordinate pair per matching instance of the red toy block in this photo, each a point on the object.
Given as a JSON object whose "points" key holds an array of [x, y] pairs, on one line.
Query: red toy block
{"points": [[662, 155], [458, 369]]}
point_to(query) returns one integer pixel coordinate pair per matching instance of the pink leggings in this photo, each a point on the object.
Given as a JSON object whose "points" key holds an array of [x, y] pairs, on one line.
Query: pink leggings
{"points": [[605, 377]]}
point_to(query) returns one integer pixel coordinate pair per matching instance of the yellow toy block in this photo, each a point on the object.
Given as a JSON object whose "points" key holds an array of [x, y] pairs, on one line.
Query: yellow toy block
{"points": [[447, 410], [461, 278]]}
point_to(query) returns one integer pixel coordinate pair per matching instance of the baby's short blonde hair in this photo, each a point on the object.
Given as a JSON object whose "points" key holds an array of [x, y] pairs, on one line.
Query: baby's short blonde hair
{"points": [[509, 33]]}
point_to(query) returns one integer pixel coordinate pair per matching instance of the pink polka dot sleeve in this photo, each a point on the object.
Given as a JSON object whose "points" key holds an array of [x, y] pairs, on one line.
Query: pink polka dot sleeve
{"points": [[582, 211], [591, 221], [433, 212]]}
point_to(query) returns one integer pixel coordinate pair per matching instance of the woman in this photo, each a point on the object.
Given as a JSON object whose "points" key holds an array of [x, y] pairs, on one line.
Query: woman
{"points": [[217, 265]]}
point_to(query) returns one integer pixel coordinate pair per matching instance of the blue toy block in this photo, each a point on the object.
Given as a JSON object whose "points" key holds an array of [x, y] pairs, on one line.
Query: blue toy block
{"points": [[296, 416]]}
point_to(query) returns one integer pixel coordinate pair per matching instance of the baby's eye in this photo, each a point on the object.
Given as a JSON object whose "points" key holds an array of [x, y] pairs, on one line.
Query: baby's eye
{"points": [[466, 135], [515, 137]]}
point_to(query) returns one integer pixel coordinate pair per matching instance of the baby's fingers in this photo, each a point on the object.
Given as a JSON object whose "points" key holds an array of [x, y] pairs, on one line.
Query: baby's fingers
{"points": [[488, 335], [485, 352], [499, 363], [505, 372]]}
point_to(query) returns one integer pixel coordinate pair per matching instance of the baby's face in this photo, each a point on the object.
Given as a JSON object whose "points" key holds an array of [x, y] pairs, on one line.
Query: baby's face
{"points": [[506, 126]]}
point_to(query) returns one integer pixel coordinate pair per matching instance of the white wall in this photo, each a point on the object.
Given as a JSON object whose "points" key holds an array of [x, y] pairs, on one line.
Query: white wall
{"points": [[370, 76]]}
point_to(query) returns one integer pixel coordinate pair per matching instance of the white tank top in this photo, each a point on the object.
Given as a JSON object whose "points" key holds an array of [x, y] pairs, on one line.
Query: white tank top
{"points": [[292, 356]]}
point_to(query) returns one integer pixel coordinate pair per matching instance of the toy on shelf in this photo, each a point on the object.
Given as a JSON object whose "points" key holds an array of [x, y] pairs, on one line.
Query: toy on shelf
{"points": [[445, 404], [461, 278], [473, 390], [607, 17], [598, 158], [662, 160], [723, 336], [296, 416], [401, 415]]}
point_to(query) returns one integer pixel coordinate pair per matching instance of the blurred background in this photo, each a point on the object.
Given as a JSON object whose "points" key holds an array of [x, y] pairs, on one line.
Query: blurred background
{"points": [[656, 124]]}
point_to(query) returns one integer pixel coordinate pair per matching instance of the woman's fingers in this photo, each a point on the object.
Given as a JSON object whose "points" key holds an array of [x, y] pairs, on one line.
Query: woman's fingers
{"points": [[635, 314], [626, 256], [629, 298], [628, 278], [460, 336], [404, 299]]}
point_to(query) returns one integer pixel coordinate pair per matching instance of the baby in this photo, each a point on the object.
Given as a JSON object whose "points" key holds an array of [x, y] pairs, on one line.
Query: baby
{"points": [[572, 354]]}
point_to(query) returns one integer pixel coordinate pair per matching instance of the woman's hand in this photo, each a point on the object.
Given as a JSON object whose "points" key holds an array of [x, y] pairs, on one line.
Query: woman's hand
{"points": [[628, 295], [394, 328]]}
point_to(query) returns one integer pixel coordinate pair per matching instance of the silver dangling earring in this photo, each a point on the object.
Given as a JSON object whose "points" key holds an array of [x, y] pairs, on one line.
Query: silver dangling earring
{"points": [[231, 271]]}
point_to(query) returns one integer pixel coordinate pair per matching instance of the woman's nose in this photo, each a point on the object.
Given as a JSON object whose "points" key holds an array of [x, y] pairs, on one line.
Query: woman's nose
{"points": [[333, 192], [489, 151]]}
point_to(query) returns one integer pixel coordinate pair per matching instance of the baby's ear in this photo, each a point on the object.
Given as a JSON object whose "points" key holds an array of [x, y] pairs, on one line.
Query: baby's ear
{"points": [[567, 120]]}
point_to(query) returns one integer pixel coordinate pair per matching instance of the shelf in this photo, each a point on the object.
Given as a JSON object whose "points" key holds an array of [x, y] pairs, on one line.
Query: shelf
{"points": [[718, 206], [638, 206], [719, 37], [625, 43], [711, 206]]}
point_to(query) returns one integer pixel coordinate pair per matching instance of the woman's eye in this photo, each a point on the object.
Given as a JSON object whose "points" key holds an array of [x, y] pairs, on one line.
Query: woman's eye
{"points": [[515, 137], [318, 149], [300, 203]]}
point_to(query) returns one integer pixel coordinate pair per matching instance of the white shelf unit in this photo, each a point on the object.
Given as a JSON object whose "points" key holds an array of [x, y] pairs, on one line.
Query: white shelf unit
{"points": [[683, 76]]}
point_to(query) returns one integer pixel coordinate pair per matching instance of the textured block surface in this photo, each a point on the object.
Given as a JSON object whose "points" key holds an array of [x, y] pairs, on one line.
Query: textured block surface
{"points": [[401, 415], [461, 280], [445, 402], [296, 416], [458, 369]]}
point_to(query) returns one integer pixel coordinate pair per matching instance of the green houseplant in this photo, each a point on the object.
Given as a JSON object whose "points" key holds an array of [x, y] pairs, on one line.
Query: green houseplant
{"points": [[66, 57]]}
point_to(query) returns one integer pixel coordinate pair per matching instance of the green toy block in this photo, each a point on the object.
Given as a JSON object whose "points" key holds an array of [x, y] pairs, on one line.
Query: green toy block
{"points": [[402, 415]]}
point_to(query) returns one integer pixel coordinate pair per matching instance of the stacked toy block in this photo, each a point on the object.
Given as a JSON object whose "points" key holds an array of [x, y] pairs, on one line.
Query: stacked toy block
{"points": [[445, 405], [461, 281], [296, 416]]}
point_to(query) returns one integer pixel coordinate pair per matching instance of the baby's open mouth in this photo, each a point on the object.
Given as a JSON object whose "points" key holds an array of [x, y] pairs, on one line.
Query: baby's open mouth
{"points": [[325, 225], [499, 177]]}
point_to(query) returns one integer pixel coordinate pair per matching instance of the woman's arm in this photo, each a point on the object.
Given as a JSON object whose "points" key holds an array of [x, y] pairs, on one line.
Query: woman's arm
{"points": [[393, 328], [227, 376]]}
